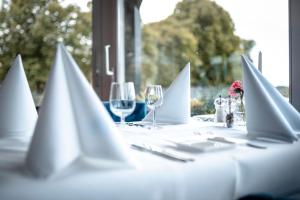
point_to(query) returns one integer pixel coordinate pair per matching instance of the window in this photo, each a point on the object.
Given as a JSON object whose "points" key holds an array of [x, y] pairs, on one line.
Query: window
{"points": [[32, 29], [212, 35]]}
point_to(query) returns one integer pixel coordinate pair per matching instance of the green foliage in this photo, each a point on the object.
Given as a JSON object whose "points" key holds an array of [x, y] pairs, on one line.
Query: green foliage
{"points": [[283, 90], [202, 106], [33, 27], [200, 32]]}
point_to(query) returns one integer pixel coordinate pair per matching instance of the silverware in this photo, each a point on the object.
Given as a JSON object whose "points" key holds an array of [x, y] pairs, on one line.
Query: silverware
{"points": [[161, 152], [138, 125], [200, 146], [236, 141]]}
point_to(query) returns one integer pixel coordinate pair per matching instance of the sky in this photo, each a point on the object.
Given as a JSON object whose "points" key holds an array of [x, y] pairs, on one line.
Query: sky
{"points": [[265, 21]]}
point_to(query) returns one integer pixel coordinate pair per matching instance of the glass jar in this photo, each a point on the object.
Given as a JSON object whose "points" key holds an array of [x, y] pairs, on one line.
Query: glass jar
{"points": [[220, 106]]}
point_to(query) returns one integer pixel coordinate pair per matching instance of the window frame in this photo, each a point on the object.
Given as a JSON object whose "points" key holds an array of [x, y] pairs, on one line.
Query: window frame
{"points": [[294, 58]]}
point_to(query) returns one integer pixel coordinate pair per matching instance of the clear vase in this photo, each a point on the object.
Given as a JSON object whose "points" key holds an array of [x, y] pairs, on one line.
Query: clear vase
{"points": [[240, 113]]}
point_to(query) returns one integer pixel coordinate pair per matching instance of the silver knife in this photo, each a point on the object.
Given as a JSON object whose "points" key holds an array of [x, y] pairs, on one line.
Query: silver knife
{"points": [[161, 152], [232, 141]]}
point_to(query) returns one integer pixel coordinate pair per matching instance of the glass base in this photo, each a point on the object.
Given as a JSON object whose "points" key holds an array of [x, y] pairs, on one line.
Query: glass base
{"points": [[240, 119]]}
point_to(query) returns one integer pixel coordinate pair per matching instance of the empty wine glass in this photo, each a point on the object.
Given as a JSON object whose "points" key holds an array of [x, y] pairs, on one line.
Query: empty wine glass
{"points": [[154, 99], [122, 99]]}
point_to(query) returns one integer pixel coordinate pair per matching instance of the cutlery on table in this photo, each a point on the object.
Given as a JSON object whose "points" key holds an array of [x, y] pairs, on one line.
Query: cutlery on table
{"points": [[162, 152], [236, 141], [200, 146], [138, 125]]}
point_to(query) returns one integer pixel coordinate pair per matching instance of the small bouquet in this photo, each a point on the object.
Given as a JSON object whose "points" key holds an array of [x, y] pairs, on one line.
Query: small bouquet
{"points": [[236, 90]]}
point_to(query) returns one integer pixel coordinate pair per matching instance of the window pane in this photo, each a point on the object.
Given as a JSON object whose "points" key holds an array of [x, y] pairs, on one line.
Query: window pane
{"points": [[212, 35], [33, 28], [268, 27]]}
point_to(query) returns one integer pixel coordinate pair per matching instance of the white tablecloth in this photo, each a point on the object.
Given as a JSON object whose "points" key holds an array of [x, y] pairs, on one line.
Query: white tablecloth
{"points": [[218, 175]]}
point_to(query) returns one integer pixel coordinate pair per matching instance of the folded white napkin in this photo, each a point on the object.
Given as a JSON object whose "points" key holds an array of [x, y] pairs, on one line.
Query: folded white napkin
{"points": [[268, 114], [176, 108], [17, 110], [73, 123]]}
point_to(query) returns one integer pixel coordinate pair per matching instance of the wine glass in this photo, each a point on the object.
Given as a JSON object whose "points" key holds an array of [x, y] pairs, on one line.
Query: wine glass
{"points": [[154, 99], [122, 99]]}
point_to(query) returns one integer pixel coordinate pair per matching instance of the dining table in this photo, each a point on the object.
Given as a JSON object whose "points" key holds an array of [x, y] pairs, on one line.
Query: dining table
{"points": [[200, 160]]}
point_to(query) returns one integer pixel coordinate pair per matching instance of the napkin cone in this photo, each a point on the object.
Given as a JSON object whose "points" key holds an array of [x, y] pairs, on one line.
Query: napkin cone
{"points": [[72, 124], [98, 133], [176, 104], [268, 114], [55, 143], [18, 114]]}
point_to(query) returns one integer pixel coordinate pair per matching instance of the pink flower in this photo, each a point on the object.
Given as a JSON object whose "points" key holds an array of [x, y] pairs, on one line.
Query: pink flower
{"points": [[236, 89]]}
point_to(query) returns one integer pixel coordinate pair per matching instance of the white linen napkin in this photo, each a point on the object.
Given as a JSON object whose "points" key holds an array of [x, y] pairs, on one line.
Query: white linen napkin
{"points": [[73, 123], [176, 104], [18, 114], [268, 114]]}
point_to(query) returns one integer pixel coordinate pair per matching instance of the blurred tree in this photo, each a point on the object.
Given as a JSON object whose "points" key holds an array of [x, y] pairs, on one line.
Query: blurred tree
{"points": [[200, 32], [33, 27]]}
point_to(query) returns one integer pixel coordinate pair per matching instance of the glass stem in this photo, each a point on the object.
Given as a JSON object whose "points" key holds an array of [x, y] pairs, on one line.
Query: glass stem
{"points": [[153, 120], [122, 120]]}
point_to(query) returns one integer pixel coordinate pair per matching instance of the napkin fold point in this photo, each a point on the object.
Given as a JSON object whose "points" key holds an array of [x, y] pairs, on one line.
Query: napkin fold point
{"points": [[72, 123], [176, 104], [18, 113], [268, 114]]}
